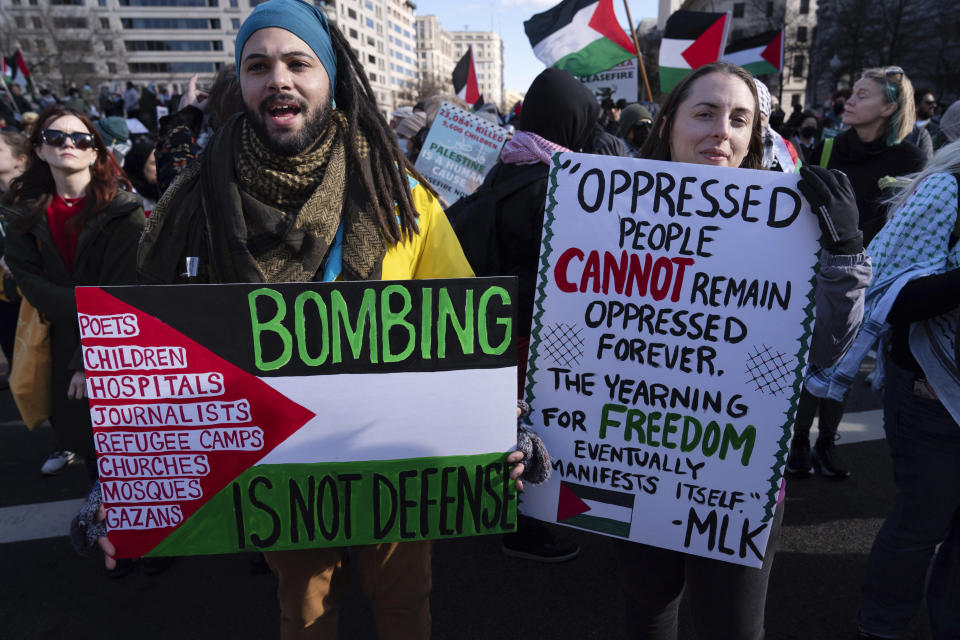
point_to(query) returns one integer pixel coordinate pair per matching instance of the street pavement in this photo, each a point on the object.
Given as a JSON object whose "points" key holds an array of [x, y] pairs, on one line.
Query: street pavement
{"points": [[50, 592]]}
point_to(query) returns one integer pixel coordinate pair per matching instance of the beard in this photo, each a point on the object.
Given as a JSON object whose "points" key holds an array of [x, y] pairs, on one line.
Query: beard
{"points": [[293, 142]]}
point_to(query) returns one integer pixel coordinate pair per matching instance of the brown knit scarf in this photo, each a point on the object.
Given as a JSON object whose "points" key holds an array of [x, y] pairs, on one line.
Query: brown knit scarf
{"points": [[306, 198]]}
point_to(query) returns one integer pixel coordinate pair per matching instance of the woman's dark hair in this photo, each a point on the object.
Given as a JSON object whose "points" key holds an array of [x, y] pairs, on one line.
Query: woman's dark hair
{"points": [[387, 186], [657, 145], [225, 97], [35, 188], [133, 164]]}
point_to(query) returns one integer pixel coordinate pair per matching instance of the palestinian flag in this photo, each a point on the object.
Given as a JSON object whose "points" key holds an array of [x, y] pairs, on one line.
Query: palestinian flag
{"points": [[600, 510], [465, 79], [691, 39], [15, 70], [579, 36], [760, 55], [6, 66], [240, 417]]}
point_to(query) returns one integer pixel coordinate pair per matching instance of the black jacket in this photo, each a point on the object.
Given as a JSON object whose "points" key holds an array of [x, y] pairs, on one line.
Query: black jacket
{"points": [[106, 255], [865, 164], [561, 109]]}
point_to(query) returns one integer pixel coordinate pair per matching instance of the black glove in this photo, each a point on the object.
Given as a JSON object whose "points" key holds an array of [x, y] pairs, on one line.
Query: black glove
{"points": [[832, 199]]}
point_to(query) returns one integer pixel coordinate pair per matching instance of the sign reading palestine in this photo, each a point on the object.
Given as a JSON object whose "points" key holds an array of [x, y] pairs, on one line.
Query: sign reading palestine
{"points": [[460, 149], [671, 325], [264, 417]]}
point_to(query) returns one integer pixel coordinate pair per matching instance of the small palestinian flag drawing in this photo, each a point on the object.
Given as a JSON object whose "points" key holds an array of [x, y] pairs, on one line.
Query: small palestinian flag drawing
{"points": [[691, 39], [600, 510], [760, 54]]}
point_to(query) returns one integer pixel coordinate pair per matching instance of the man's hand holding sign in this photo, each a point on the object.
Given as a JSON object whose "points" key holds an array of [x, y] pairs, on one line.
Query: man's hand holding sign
{"points": [[301, 415]]}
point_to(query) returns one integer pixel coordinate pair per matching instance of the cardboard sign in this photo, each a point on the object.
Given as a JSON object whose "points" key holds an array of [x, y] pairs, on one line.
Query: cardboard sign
{"points": [[263, 417], [671, 325], [459, 151], [616, 83]]}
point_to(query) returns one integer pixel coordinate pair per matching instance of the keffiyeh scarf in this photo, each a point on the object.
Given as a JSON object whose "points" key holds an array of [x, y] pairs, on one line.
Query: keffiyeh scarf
{"points": [[529, 148], [913, 244]]}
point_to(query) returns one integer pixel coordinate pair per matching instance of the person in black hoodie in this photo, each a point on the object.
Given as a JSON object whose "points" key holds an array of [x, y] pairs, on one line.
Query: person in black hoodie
{"points": [[879, 113], [559, 114]]}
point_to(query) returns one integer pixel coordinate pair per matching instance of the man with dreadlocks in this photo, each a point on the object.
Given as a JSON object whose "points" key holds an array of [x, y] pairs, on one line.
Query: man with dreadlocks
{"points": [[309, 184]]}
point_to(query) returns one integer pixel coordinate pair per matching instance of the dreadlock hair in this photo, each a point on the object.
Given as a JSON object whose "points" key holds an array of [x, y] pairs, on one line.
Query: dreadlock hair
{"points": [[386, 186]]}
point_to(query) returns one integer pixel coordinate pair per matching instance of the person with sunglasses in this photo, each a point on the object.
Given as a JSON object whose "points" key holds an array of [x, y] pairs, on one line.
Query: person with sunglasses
{"points": [[879, 114], [72, 222]]}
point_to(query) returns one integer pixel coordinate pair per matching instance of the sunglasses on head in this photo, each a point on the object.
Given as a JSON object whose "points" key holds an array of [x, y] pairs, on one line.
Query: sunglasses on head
{"points": [[893, 73], [57, 138]]}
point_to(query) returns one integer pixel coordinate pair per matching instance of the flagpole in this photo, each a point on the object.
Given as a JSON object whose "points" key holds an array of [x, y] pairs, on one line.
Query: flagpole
{"points": [[636, 44]]}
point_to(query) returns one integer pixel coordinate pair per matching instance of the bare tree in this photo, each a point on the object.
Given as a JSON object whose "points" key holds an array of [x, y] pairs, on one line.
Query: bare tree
{"points": [[63, 44], [430, 86]]}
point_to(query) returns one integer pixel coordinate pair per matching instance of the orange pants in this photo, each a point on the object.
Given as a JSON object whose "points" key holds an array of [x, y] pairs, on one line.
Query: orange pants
{"points": [[396, 577]]}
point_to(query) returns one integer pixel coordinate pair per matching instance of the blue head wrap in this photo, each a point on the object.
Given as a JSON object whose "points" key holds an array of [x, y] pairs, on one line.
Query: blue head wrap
{"points": [[299, 18]]}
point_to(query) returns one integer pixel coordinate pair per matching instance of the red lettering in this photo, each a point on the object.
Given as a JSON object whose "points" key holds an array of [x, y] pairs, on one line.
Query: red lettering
{"points": [[560, 270]]}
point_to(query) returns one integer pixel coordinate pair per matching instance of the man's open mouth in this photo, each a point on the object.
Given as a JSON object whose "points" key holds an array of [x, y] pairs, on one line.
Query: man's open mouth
{"points": [[282, 112]]}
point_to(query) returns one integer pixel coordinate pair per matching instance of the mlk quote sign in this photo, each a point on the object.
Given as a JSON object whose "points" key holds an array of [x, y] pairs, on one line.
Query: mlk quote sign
{"points": [[671, 324], [248, 417]]}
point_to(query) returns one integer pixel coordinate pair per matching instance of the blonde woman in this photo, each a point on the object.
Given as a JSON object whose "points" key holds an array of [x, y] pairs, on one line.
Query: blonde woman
{"points": [[880, 112]]}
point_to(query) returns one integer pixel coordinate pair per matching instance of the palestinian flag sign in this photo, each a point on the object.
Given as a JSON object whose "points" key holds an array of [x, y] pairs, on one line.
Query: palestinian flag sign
{"points": [[760, 55], [249, 417], [582, 37], [691, 39], [465, 79]]}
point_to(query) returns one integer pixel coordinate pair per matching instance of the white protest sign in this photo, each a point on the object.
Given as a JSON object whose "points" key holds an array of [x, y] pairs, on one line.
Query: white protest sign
{"points": [[671, 324], [459, 151], [616, 83]]}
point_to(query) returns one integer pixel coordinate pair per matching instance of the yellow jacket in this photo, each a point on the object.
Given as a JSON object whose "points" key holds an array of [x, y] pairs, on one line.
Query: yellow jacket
{"points": [[433, 253]]}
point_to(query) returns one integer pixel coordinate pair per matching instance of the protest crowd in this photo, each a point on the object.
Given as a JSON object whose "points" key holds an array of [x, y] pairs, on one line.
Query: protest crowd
{"points": [[284, 170]]}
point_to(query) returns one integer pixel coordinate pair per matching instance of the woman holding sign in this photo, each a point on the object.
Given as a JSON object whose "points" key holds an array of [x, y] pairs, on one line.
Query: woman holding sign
{"points": [[712, 118], [71, 224]]}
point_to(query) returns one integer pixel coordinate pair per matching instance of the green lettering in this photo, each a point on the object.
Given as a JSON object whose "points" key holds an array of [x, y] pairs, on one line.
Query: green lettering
{"points": [[606, 421], [426, 323], [653, 428], [446, 313], [506, 322], [711, 438], [635, 420], [668, 428], [390, 319], [340, 313], [689, 443], [300, 328], [274, 325], [745, 440]]}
